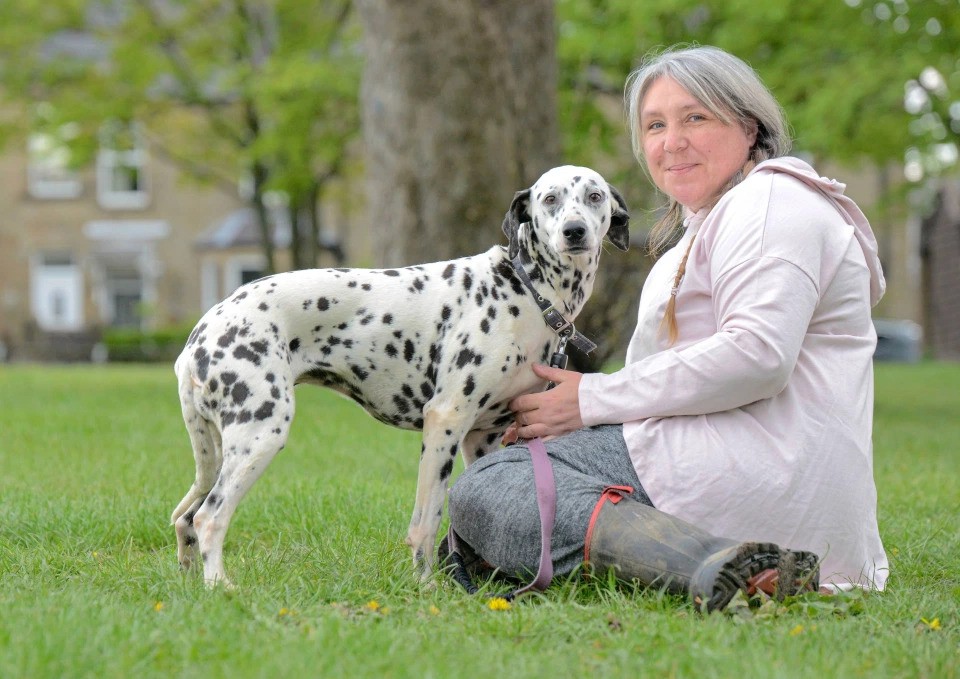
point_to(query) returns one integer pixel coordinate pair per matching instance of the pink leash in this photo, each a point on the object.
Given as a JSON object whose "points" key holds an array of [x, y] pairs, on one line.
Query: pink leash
{"points": [[547, 503]]}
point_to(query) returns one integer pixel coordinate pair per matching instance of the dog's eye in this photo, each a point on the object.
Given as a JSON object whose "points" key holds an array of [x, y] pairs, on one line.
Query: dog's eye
{"points": [[595, 197], [549, 199]]}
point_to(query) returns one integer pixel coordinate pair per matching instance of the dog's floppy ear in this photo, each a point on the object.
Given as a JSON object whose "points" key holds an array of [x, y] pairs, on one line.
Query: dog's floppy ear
{"points": [[516, 215], [619, 231]]}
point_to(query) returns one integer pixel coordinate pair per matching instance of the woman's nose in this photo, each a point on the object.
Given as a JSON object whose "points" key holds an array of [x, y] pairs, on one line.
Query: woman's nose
{"points": [[674, 139]]}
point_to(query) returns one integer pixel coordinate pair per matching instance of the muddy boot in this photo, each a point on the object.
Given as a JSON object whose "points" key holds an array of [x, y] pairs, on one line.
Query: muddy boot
{"points": [[641, 543]]}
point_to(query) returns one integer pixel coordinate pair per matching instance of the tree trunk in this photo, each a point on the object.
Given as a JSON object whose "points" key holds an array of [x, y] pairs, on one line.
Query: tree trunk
{"points": [[459, 112]]}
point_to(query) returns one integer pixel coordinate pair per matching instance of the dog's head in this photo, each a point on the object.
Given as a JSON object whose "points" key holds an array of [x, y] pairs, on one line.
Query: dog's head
{"points": [[570, 210]]}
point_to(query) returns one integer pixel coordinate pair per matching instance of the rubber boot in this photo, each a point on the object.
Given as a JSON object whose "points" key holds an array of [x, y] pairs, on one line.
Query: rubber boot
{"points": [[641, 543]]}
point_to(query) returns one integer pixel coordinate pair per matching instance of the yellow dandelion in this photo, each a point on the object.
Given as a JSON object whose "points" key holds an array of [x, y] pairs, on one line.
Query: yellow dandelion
{"points": [[284, 611], [158, 606], [498, 604], [931, 624], [796, 630], [373, 605], [434, 610]]}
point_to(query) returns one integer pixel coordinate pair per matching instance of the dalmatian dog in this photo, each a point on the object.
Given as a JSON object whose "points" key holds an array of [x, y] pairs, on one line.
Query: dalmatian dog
{"points": [[440, 348]]}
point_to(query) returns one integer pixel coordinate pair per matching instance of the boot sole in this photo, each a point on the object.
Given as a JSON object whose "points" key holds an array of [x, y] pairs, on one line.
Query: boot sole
{"points": [[760, 566]]}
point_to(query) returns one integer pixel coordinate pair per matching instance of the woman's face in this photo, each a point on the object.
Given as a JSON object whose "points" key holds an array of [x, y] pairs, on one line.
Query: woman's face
{"points": [[690, 153]]}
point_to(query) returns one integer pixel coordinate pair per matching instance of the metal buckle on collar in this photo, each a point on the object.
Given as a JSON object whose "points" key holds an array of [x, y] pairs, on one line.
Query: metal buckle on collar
{"points": [[556, 321]]}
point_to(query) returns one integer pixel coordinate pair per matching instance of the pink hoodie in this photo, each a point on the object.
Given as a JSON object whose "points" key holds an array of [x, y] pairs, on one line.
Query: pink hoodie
{"points": [[757, 423]]}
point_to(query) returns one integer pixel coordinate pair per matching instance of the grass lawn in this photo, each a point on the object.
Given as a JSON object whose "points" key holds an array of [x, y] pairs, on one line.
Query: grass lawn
{"points": [[93, 460]]}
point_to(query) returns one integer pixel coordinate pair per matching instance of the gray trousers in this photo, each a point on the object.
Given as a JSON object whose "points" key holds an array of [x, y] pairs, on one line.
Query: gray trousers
{"points": [[493, 504]]}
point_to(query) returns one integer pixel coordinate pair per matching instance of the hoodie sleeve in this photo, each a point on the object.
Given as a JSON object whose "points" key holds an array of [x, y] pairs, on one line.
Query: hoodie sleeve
{"points": [[763, 306]]}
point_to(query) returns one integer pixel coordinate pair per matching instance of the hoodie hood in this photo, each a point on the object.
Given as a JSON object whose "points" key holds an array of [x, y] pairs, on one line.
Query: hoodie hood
{"points": [[833, 190]]}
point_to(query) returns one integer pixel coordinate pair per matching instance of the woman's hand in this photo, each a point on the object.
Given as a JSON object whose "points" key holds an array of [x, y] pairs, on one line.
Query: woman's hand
{"points": [[547, 413]]}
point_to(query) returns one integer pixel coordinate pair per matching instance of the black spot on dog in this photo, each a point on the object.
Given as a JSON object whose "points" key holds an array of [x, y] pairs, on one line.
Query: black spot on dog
{"points": [[323, 304], [265, 411], [387, 319], [446, 470], [446, 312], [390, 351], [243, 353], [513, 310], [366, 287], [485, 326], [361, 374], [427, 390], [391, 272], [294, 344], [227, 338], [203, 363], [467, 281], [198, 331], [263, 306], [449, 271], [409, 351], [403, 407], [240, 392], [469, 386]]}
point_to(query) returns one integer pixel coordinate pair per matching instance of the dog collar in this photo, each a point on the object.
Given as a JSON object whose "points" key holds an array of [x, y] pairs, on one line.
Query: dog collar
{"points": [[566, 330]]}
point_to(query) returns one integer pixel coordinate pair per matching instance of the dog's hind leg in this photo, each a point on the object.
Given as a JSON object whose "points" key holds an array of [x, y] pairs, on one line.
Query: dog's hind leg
{"points": [[479, 442], [247, 450], [205, 441], [443, 433]]}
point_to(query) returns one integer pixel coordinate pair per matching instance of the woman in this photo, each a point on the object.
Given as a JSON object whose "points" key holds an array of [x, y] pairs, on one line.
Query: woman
{"points": [[745, 407]]}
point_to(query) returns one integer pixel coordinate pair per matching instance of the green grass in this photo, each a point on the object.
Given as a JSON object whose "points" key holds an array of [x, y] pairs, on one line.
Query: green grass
{"points": [[93, 460]]}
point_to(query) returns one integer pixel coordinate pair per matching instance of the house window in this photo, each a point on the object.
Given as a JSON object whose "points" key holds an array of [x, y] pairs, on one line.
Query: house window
{"points": [[241, 270], [49, 171], [56, 292], [122, 167]]}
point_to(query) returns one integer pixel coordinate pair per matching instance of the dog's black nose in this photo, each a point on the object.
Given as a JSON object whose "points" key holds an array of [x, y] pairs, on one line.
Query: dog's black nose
{"points": [[574, 231]]}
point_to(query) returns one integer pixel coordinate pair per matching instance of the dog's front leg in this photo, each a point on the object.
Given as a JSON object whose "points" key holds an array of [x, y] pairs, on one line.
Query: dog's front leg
{"points": [[443, 433]]}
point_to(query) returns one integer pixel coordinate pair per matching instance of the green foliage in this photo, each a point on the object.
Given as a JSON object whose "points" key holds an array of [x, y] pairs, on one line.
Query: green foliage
{"points": [[139, 346], [226, 89], [838, 68], [95, 458]]}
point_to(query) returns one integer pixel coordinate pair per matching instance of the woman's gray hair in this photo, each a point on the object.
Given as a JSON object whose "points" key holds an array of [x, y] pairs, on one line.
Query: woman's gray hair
{"points": [[728, 87]]}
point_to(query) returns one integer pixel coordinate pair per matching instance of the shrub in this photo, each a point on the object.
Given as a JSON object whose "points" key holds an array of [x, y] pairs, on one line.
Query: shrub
{"points": [[131, 345]]}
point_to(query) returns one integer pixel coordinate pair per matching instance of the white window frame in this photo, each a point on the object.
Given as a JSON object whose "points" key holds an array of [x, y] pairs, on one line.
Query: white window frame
{"points": [[111, 160], [49, 175]]}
